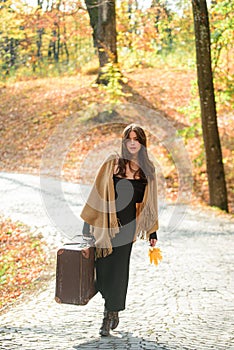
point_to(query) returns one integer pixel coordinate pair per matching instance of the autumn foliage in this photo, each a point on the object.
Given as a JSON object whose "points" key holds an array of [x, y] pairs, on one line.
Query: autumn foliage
{"points": [[22, 260]]}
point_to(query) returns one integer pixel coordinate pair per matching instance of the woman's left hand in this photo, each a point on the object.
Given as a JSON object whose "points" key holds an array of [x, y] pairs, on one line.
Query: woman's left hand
{"points": [[153, 242]]}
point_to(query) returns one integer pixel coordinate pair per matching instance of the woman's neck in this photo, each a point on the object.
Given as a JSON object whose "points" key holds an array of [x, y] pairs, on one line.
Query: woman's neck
{"points": [[133, 163]]}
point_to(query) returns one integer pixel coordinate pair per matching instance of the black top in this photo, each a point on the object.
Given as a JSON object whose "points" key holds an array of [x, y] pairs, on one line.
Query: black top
{"points": [[128, 192]]}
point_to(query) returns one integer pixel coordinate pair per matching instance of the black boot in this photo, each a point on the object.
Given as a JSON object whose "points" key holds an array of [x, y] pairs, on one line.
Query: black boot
{"points": [[114, 319], [106, 323]]}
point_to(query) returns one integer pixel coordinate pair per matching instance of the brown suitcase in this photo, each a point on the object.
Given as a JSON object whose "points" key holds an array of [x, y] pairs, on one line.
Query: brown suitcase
{"points": [[75, 274]]}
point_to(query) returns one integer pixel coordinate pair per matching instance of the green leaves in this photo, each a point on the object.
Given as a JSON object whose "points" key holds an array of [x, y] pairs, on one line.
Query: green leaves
{"points": [[114, 88]]}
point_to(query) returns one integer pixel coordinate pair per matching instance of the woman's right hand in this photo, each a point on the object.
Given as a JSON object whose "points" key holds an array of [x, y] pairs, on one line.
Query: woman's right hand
{"points": [[153, 242]]}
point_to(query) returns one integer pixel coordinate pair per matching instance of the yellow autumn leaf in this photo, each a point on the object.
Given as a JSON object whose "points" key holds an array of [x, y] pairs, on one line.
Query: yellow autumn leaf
{"points": [[155, 255]]}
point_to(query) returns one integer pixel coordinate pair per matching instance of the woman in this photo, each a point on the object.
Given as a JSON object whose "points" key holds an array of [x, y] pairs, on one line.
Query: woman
{"points": [[121, 206]]}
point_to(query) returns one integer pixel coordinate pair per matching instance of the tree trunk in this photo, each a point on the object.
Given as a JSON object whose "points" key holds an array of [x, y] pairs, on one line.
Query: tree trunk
{"points": [[54, 45], [92, 7], [103, 21], [214, 162], [12, 46], [10, 53], [40, 32], [67, 52]]}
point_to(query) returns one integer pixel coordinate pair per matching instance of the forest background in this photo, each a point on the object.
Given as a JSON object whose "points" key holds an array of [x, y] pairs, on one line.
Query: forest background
{"points": [[48, 70]]}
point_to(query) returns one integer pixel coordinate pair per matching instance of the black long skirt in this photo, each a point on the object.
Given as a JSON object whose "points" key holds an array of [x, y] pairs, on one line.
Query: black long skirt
{"points": [[113, 270], [112, 277]]}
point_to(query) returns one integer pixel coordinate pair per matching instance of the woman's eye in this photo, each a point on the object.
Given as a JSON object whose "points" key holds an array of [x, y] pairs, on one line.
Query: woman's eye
{"points": [[128, 140]]}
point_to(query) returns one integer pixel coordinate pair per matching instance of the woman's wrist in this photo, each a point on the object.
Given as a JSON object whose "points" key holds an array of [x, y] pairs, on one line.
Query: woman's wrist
{"points": [[153, 235]]}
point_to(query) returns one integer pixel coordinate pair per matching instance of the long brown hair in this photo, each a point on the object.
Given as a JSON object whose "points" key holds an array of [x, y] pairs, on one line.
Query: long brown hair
{"points": [[146, 166]]}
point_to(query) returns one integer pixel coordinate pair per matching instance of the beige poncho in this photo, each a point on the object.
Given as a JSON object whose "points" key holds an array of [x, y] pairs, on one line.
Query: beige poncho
{"points": [[100, 211]]}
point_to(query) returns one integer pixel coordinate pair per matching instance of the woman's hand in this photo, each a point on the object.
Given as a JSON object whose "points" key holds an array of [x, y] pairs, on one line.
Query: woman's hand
{"points": [[85, 252], [153, 242]]}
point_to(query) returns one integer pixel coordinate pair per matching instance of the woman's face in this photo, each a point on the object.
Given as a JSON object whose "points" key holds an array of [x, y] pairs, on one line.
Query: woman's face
{"points": [[132, 143]]}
